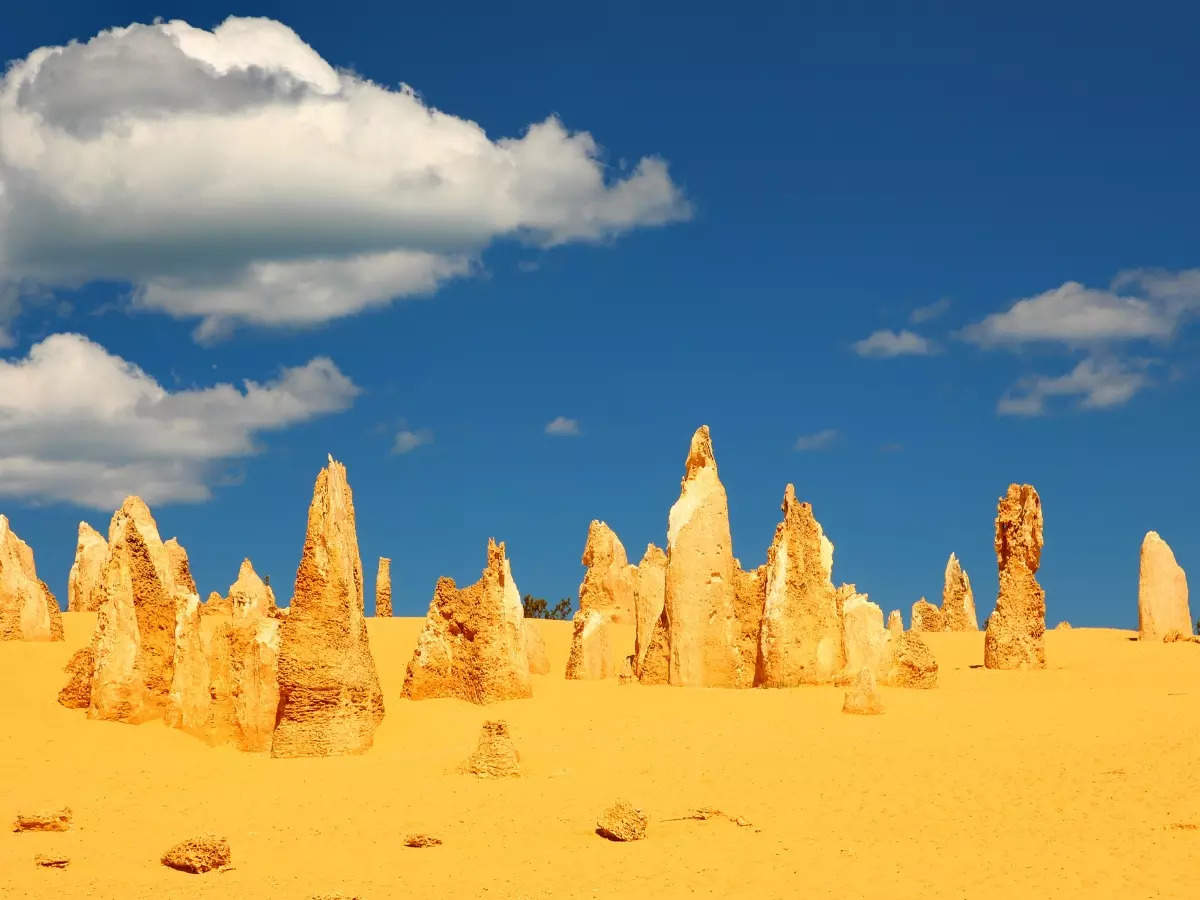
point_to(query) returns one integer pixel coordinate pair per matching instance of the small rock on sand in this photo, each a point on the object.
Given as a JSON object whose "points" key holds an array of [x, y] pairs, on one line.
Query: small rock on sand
{"points": [[621, 822], [197, 855], [422, 840], [52, 861], [43, 820], [495, 756]]}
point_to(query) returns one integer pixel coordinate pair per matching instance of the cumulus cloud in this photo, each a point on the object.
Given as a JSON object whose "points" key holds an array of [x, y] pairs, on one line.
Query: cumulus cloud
{"points": [[930, 311], [408, 439], [886, 343], [563, 427], [820, 440], [1097, 384], [80, 425], [235, 176]]}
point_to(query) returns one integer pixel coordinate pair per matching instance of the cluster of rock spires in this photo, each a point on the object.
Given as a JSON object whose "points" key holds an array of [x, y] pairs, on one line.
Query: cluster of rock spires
{"points": [[957, 612]]}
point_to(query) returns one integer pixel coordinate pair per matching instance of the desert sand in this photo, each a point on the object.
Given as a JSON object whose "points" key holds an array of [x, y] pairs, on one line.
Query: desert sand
{"points": [[1077, 780]]}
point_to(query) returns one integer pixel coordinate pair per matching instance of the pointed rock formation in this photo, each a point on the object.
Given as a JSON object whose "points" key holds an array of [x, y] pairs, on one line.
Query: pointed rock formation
{"points": [[649, 597], [1016, 630], [90, 552], [926, 617], [591, 650], [77, 693], [863, 699], [250, 596], [1064, 625], [495, 755], [913, 664], [895, 623], [868, 645], [656, 662], [699, 587], [750, 596], [1162, 592], [134, 643], [802, 624], [958, 602], [473, 643], [607, 586], [383, 588], [535, 649], [330, 702], [28, 610]]}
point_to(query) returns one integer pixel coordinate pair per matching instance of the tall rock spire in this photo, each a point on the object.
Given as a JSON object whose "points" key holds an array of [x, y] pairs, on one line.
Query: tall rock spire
{"points": [[1016, 631]]}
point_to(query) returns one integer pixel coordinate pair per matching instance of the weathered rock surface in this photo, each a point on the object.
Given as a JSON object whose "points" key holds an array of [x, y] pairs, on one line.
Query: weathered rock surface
{"points": [[77, 692], [1162, 591], [28, 610], [749, 599], [607, 586], [473, 644], [1063, 626], [622, 822], [216, 605], [867, 643], [422, 840], [191, 684], [249, 596], [895, 623], [383, 588], [1016, 630], [198, 855], [254, 679], [656, 663], [330, 702], [958, 601], [43, 820], [649, 598], [535, 649], [699, 586], [912, 664], [91, 550], [926, 617], [495, 755], [134, 642], [801, 640], [863, 698], [591, 650]]}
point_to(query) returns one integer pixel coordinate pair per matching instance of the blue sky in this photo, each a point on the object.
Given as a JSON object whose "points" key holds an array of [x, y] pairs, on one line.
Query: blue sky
{"points": [[899, 260]]}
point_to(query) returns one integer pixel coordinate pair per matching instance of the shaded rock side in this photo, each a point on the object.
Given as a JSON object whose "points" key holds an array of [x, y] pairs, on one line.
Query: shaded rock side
{"points": [[590, 658], [802, 624], [1162, 591], [750, 596], [926, 617], [1015, 637], [383, 587], [330, 702], [28, 610], [535, 649], [867, 643], [699, 586], [958, 601], [863, 698], [912, 664], [91, 550], [134, 642], [473, 644], [607, 586], [649, 597], [77, 692], [656, 663]]}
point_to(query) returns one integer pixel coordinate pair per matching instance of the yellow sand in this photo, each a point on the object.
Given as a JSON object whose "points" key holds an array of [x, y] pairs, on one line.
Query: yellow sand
{"points": [[1082, 780]]}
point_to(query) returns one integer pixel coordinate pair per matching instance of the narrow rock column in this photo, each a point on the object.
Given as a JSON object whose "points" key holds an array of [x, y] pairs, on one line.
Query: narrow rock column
{"points": [[1016, 630], [958, 601], [383, 588], [1162, 592]]}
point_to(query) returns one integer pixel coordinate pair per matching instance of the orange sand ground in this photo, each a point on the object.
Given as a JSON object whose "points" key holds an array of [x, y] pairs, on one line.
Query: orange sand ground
{"points": [[1082, 780]]}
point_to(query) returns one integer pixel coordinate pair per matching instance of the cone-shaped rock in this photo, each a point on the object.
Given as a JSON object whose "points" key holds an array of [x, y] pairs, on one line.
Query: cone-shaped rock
{"points": [[607, 586], [1016, 630], [750, 596], [927, 617], [699, 589], [535, 649], [591, 650], [802, 624], [895, 622], [495, 755], [867, 641], [329, 697], [649, 597], [863, 699], [90, 552], [250, 596], [134, 643], [383, 588], [28, 611], [958, 601], [473, 644], [1162, 592]]}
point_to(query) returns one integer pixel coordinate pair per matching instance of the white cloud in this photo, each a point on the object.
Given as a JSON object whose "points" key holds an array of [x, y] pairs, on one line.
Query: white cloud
{"points": [[929, 311], [80, 425], [563, 427], [820, 440], [886, 343], [1098, 384], [236, 177], [408, 439]]}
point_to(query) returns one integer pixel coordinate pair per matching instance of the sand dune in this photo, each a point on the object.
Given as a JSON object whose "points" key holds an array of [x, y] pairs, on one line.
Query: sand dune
{"points": [[1080, 780]]}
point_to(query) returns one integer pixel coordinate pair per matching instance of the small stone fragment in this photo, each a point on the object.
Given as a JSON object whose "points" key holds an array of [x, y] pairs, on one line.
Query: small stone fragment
{"points": [[44, 820], [621, 822], [495, 756], [422, 840], [52, 861], [863, 699], [198, 855]]}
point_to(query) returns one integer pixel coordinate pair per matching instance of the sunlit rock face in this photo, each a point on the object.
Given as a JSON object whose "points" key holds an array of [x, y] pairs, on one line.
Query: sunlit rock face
{"points": [[1162, 592], [28, 610], [1015, 637]]}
